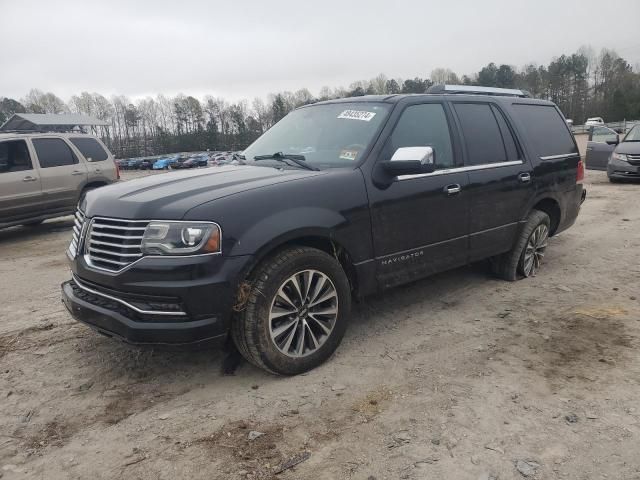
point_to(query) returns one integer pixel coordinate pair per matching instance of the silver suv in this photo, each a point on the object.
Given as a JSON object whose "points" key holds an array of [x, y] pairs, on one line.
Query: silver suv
{"points": [[44, 175]]}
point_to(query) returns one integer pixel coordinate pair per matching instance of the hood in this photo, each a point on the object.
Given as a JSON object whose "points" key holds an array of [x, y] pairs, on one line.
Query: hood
{"points": [[170, 196], [629, 148]]}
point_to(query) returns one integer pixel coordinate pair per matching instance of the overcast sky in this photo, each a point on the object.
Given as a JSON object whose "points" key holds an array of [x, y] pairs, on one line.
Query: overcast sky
{"points": [[242, 49]]}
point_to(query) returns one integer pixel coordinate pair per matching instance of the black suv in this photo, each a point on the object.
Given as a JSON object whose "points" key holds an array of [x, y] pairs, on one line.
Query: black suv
{"points": [[339, 200]]}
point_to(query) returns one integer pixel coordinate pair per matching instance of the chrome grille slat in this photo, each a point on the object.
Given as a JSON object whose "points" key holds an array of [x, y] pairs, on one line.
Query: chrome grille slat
{"points": [[78, 221], [112, 235], [114, 243], [115, 254], [117, 245]]}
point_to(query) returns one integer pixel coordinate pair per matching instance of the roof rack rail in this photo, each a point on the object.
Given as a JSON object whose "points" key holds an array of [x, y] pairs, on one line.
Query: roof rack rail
{"points": [[473, 90]]}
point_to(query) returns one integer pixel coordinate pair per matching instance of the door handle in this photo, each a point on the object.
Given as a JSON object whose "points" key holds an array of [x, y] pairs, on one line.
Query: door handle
{"points": [[524, 177], [97, 170], [76, 172], [589, 149], [452, 189], [29, 178]]}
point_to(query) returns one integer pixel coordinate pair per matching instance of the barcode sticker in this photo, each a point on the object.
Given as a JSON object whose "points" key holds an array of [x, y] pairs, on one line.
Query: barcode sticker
{"points": [[357, 115]]}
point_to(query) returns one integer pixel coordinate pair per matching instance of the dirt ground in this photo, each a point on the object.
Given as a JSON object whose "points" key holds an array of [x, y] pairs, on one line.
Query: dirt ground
{"points": [[459, 376]]}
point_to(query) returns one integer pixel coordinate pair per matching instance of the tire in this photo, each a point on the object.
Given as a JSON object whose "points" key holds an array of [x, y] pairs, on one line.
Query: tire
{"points": [[613, 180], [256, 334], [513, 265]]}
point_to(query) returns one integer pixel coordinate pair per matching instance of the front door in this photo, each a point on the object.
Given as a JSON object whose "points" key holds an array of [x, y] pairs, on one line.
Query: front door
{"points": [[419, 222], [63, 174], [500, 178], [20, 189], [598, 150]]}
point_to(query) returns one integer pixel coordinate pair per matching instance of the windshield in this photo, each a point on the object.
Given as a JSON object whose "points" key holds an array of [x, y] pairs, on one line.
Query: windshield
{"points": [[327, 136], [633, 135]]}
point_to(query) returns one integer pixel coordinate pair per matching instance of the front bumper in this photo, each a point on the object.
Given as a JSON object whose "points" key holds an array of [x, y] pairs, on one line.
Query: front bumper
{"points": [[621, 170], [174, 302], [115, 323]]}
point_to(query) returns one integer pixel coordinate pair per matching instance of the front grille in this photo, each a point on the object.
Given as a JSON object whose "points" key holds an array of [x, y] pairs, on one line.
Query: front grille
{"points": [[634, 159], [112, 243], [78, 223]]}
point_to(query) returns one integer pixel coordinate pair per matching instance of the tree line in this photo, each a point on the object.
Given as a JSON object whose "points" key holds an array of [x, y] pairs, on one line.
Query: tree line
{"points": [[582, 84]]}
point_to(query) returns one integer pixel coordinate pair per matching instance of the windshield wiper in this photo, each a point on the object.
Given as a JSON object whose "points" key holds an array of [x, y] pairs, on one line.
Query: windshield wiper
{"points": [[283, 157]]}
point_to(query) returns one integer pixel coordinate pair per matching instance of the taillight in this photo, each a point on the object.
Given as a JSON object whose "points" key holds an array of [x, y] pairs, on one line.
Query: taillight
{"points": [[117, 170], [580, 173]]}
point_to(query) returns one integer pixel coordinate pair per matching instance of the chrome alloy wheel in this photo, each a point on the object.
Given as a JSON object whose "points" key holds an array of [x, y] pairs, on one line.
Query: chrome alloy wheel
{"points": [[534, 251], [303, 313]]}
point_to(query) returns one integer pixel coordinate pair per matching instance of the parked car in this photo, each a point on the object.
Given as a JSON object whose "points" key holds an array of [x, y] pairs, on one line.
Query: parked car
{"points": [[621, 159], [594, 121], [134, 163], [165, 162], [146, 164], [200, 159], [43, 175], [271, 252]]}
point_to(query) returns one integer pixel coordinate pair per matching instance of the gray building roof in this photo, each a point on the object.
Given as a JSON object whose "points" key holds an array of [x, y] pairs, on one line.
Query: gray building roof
{"points": [[49, 121]]}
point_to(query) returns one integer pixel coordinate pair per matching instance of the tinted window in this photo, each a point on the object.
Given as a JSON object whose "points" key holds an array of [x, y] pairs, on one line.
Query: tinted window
{"points": [[90, 148], [14, 157], [546, 128], [481, 133], [423, 125], [53, 152], [507, 136]]}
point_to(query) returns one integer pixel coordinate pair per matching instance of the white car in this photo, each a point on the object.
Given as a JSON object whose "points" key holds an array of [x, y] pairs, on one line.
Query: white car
{"points": [[594, 121]]}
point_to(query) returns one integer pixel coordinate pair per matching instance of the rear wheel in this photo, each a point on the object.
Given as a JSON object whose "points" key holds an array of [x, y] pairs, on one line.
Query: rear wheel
{"points": [[525, 258], [296, 313]]}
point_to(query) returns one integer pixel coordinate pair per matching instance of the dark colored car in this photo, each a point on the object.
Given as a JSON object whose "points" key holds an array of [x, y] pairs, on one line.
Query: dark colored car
{"points": [[339, 200], [146, 164]]}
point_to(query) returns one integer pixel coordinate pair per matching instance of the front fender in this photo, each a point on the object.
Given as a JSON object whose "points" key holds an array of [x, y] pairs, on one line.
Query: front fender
{"points": [[287, 225]]}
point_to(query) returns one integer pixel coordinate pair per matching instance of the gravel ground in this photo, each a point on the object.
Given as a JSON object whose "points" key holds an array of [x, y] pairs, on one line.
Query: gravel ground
{"points": [[459, 376]]}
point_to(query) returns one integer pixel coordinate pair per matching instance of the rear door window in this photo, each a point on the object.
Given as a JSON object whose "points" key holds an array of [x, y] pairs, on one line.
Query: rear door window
{"points": [[53, 152], [546, 129], [14, 156], [90, 148], [481, 132]]}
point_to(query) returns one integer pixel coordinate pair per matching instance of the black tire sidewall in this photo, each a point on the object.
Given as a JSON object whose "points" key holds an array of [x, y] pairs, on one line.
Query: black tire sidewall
{"points": [[535, 220], [307, 259]]}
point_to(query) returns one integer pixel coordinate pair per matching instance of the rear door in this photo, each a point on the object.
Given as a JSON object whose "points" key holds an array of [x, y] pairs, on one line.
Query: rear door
{"points": [[500, 183], [598, 150], [63, 175], [20, 187], [101, 166]]}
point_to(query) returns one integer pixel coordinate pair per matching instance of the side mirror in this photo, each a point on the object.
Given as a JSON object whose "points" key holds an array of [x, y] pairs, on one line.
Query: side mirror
{"points": [[411, 161], [615, 141]]}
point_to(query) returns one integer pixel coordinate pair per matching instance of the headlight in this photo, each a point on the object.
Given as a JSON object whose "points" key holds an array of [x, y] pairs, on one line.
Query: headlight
{"points": [[181, 238], [621, 157]]}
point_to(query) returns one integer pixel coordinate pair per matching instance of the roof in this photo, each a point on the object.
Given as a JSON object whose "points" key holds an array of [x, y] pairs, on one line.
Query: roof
{"points": [[48, 121]]}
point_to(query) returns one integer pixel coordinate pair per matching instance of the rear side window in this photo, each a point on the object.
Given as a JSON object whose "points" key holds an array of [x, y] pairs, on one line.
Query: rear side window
{"points": [[53, 152], [546, 128], [14, 157], [510, 144], [423, 125], [90, 148], [481, 133]]}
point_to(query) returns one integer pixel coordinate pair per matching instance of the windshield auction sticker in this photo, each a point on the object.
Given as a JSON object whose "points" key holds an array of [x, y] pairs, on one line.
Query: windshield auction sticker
{"points": [[357, 115], [348, 154]]}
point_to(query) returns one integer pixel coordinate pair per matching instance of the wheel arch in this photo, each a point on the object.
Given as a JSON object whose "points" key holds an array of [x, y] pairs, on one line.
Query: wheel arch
{"points": [[320, 239], [551, 207]]}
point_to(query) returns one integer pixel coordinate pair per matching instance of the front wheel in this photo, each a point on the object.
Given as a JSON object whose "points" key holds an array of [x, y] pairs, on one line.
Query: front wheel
{"points": [[296, 312], [525, 258]]}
